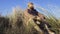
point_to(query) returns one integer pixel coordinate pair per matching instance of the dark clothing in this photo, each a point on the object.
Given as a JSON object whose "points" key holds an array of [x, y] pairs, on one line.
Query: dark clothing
{"points": [[33, 12]]}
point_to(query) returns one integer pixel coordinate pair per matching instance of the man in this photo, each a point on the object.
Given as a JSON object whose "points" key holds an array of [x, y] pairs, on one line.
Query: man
{"points": [[31, 13]]}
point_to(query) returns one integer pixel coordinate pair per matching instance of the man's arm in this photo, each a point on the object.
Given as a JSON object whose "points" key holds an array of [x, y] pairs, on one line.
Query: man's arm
{"points": [[41, 16]]}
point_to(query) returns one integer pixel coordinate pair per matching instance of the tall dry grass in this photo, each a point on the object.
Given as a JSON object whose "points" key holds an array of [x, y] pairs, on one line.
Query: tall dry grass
{"points": [[14, 24], [52, 20]]}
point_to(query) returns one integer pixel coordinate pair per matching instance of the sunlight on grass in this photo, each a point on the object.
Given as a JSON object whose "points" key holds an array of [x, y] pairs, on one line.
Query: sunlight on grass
{"points": [[14, 24]]}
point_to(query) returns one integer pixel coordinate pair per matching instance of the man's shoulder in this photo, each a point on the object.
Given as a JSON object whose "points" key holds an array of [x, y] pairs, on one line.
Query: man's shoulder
{"points": [[35, 10]]}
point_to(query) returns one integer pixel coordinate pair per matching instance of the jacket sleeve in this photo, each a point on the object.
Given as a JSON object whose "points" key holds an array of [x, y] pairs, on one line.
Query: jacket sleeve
{"points": [[41, 16]]}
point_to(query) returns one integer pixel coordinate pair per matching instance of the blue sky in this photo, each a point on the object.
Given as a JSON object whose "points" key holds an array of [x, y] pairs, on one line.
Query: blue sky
{"points": [[53, 6]]}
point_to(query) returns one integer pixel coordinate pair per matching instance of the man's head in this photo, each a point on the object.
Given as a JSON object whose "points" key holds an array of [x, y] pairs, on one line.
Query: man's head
{"points": [[30, 5]]}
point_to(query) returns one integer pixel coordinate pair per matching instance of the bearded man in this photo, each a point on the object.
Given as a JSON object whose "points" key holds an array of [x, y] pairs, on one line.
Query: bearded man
{"points": [[31, 13]]}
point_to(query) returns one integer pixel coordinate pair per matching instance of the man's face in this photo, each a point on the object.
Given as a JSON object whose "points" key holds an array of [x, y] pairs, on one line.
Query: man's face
{"points": [[30, 5]]}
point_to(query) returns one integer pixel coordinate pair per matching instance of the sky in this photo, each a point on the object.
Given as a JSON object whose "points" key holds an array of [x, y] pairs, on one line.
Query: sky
{"points": [[53, 6]]}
